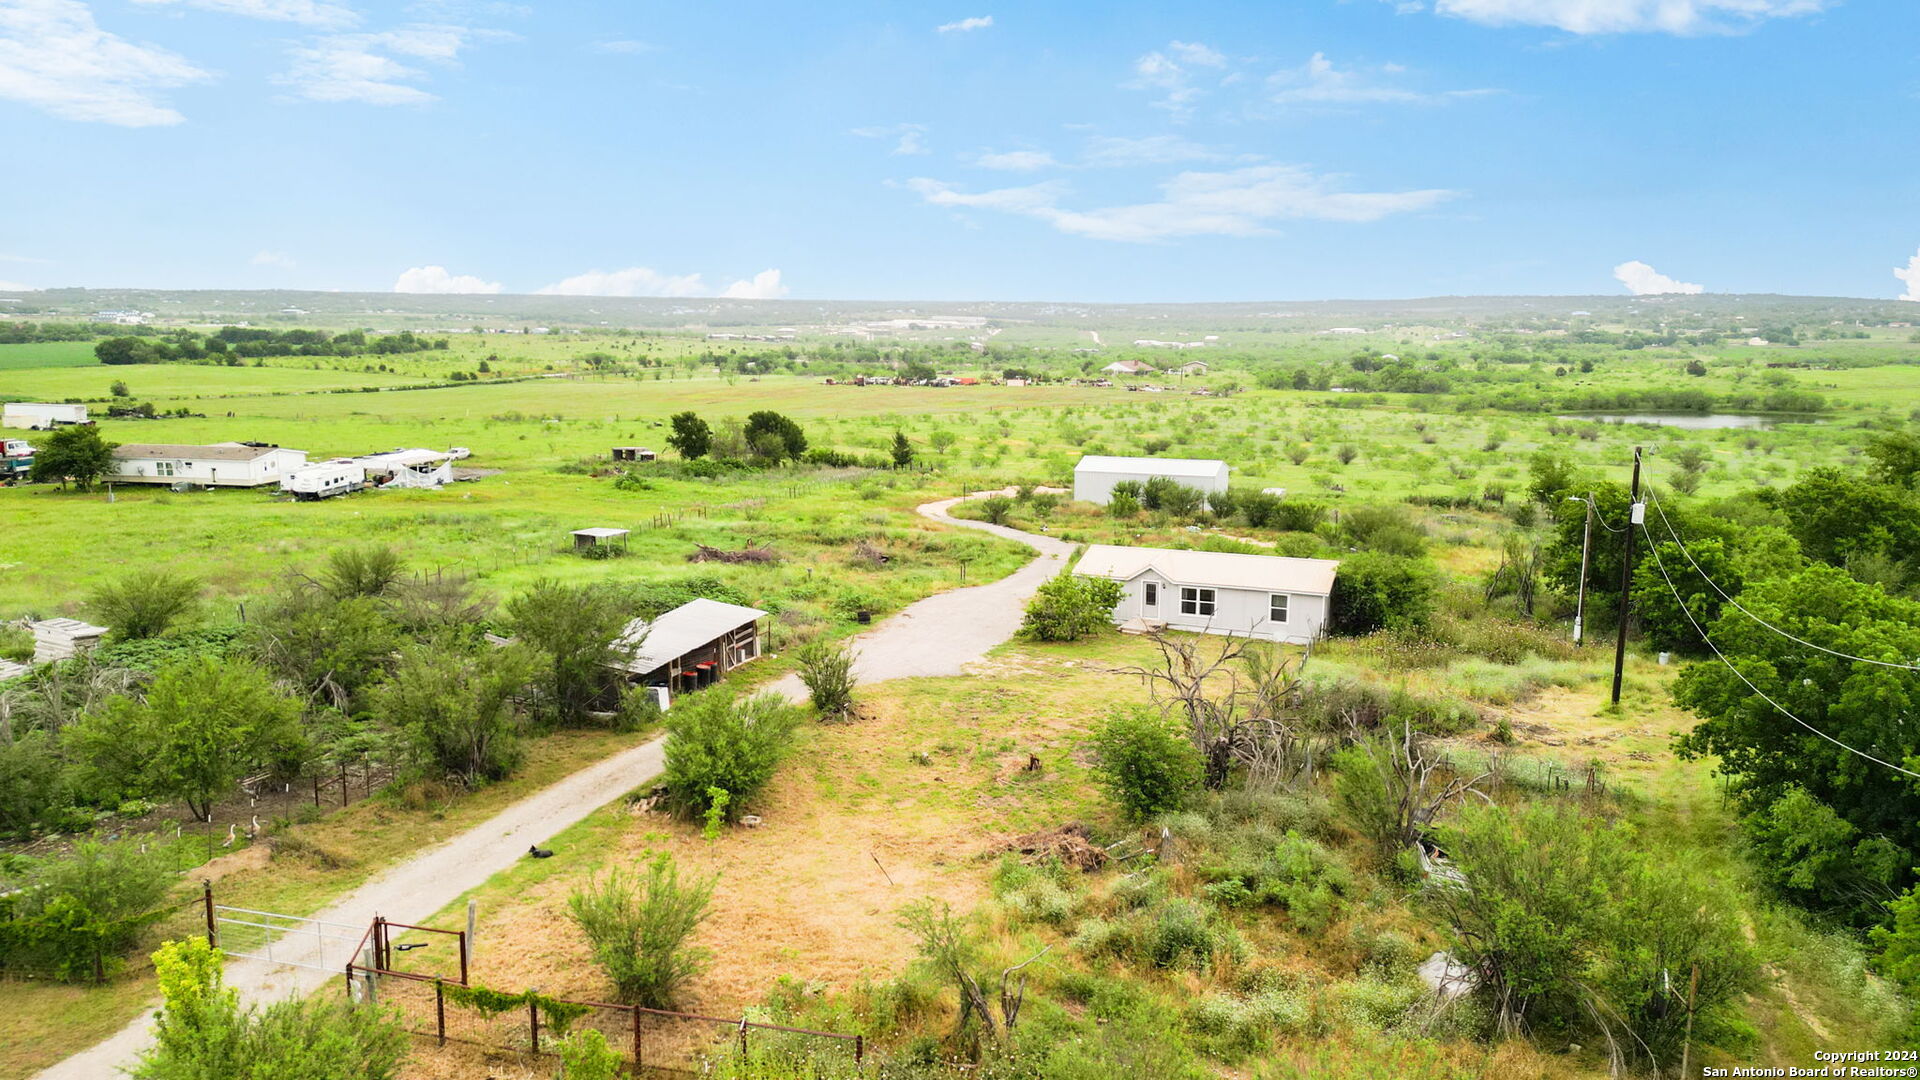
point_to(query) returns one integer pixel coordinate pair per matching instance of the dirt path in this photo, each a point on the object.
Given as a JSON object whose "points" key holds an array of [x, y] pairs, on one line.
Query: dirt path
{"points": [[936, 636]]}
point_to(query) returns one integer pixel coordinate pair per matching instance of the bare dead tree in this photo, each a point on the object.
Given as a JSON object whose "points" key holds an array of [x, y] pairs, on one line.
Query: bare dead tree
{"points": [[1239, 698], [1418, 783]]}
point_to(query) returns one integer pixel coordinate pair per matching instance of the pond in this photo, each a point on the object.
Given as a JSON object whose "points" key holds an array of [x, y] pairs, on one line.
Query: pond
{"points": [[1695, 421]]}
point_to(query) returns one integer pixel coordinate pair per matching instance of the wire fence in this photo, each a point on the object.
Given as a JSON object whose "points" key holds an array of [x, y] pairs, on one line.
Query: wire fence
{"points": [[651, 1041]]}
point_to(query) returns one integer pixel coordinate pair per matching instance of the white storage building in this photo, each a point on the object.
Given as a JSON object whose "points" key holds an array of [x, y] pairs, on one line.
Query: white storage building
{"points": [[1213, 592], [1094, 477], [41, 416], [228, 464]]}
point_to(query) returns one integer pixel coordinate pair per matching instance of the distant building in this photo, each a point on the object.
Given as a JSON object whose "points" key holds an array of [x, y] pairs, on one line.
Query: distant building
{"points": [[324, 480], [1095, 475], [1193, 367], [1212, 592], [1129, 367], [61, 639], [229, 464], [41, 416]]}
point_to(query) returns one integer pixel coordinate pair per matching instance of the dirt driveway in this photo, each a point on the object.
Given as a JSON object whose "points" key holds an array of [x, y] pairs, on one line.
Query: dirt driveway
{"points": [[937, 636]]}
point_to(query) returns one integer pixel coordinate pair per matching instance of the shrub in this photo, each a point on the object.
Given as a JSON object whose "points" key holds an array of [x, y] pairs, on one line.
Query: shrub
{"points": [[827, 670], [572, 630], [1375, 590], [1070, 607], [1145, 762], [1383, 528], [996, 509], [638, 929], [370, 571], [78, 915], [585, 1055], [716, 743], [202, 1031], [1297, 874], [144, 604], [1182, 935], [456, 709]]}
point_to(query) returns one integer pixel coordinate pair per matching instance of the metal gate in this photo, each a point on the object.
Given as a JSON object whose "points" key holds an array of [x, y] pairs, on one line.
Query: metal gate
{"points": [[294, 940]]}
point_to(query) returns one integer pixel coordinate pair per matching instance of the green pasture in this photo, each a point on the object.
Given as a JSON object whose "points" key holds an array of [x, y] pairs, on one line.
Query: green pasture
{"points": [[42, 355]]}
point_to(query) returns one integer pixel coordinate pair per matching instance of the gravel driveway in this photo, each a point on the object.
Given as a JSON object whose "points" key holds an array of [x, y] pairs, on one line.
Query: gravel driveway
{"points": [[936, 636]]}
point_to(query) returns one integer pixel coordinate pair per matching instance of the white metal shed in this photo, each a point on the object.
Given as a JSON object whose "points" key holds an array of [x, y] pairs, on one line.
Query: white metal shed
{"points": [[1094, 477]]}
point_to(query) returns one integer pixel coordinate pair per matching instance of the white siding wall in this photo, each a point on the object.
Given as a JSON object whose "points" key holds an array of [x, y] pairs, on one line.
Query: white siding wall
{"points": [[1096, 486], [268, 468], [1236, 611]]}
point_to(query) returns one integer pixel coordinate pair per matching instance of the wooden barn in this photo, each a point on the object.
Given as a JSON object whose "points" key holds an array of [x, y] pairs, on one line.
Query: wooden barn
{"points": [[692, 646]]}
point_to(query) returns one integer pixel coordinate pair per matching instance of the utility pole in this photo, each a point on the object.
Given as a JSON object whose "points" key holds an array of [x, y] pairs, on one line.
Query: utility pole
{"points": [[1586, 551], [1634, 517]]}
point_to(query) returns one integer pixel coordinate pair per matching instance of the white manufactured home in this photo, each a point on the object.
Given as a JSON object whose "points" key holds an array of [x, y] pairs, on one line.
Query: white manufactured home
{"points": [[228, 464], [324, 480], [1094, 477], [1213, 592], [41, 416]]}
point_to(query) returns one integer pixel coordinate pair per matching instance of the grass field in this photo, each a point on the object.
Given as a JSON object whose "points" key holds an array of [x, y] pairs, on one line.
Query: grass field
{"points": [[918, 795]]}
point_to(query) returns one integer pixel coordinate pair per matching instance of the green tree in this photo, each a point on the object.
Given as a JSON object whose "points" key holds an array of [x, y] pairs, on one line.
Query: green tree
{"points": [[1374, 590], [124, 350], [1070, 607], [1551, 476], [902, 450], [1896, 457], [775, 436], [713, 743], [119, 388], [456, 707], [204, 724], [1837, 516], [75, 454], [145, 603], [941, 440], [1662, 619], [996, 509], [638, 929], [1863, 706], [691, 436], [372, 571], [333, 650], [1144, 760], [572, 630]]}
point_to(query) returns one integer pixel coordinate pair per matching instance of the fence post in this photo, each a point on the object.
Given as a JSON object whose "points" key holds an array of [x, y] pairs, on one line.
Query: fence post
{"points": [[316, 791], [349, 982], [343, 783], [859, 1049], [533, 1018], [440, 1008], [463, 956], [743, 1039], [206, 895], [636, 1040]]}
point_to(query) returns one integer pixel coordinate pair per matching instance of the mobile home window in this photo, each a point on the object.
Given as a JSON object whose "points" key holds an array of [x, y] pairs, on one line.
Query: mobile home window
{"points": [[1153, 593], [1196, 601], [1277, 607], [163, 468]]}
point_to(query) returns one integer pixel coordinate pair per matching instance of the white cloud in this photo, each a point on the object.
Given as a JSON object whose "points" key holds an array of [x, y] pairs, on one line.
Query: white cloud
{"points": [[1910, 275], [279, 259], [1017, 160], [961, 26], [363, 68], [1118, 150], [14, 286], [633, 281], [1195, 53], [1237, 202], [1629, 16], [764, 285], [1643, 280], [436, 279], [55, 57], [1320, 82], [305, 12], [909, 138]]}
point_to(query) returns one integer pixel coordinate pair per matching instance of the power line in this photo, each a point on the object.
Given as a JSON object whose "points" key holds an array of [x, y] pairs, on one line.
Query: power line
{"points": [[1681, 544], [1782, 709]]}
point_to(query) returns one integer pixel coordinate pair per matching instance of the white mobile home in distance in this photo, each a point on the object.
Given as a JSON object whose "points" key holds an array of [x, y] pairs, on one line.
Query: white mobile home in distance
{"points": [[1214, 592], [41, 416], [1094, 477], [228, 464]]}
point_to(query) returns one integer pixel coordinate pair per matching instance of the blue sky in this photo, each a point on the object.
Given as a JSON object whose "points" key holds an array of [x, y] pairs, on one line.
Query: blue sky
{"points": [[1071, 151]]}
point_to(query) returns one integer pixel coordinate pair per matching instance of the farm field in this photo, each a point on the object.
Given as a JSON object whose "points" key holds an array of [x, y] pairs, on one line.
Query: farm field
{"points": [[1172, 963]]}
